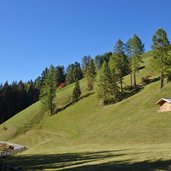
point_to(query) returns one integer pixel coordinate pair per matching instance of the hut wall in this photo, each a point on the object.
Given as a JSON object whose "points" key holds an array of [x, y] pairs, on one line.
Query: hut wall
{"points": [[165, 107]]}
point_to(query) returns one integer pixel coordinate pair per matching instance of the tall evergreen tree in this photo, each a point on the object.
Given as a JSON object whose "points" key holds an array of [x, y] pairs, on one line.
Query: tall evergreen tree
{"points": [[85, 61], [48, 91], [74, 73], [121, 62], [60, 75], [161, 47], [114, 76], [76, 92], [105, 87], [136, 49], [98, 62], [129, 54], [99, 59], [90, 74]]}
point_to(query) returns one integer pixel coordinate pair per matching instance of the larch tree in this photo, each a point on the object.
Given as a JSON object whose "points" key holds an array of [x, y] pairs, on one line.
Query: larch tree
{"points": [[120, 61], [105, 88], [60, 75], [161, 47], [90, 74], [48, 91], [114, 76], [129, 53], [84, 64], [136, 49], [76, 92]]}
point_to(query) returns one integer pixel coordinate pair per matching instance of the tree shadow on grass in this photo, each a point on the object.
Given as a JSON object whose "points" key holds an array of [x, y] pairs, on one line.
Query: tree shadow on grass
{"points": [[131, 91], [71, 103], [127, 166], [57, 161], [85, 161]]}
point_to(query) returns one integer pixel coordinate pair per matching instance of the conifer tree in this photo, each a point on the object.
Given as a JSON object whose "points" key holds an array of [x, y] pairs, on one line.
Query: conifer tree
{"points": [[85, 61], [120, 61], [60, 75], [105, 86], [48, 91], [90, 74], [161, 47], [73, 73], [129, 54], [76, 92], [136, 49], [114, 75]]}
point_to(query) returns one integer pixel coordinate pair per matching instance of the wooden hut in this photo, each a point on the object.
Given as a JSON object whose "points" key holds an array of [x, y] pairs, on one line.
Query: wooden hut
{"points": [[165, 105]]}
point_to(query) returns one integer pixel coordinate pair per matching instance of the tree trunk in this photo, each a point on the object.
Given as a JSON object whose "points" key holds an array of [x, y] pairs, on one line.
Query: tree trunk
{"points": [[121, 84], [161, 79], [131, 79], [135, 84], [51, 101]]}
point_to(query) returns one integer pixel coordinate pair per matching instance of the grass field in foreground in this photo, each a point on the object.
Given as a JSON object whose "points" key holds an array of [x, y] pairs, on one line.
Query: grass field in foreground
{"points": [[97, 158]]}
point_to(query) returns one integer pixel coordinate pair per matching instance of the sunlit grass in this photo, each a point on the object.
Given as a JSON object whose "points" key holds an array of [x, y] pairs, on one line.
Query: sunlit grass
{"points": [[134, 135]]}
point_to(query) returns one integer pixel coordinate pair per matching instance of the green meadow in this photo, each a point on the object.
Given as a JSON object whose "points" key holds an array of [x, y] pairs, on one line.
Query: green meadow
{"points": [[87, 136]]}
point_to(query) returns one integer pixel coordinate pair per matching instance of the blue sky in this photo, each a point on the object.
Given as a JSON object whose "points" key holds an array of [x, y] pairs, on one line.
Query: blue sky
{"points": [[37, 33]]}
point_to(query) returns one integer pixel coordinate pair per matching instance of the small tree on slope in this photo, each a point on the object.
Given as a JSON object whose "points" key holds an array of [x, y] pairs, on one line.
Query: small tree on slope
{"points": [[76, 92], [48, 91]]}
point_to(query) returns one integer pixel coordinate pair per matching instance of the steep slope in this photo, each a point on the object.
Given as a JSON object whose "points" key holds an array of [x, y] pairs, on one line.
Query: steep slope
{"points": [[134, 120]]}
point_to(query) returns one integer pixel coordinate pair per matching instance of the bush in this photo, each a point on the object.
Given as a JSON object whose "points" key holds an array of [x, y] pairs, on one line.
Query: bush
{"points": [[146, 80], [108, 100]]}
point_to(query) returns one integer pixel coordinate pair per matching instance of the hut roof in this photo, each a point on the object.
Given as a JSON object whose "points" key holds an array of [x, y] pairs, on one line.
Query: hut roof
{"points": [[163, 100]]}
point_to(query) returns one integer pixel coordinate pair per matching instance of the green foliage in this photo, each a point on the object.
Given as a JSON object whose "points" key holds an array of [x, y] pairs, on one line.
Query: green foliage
{"points": [[120, 62], [114, 75], [90, 74], [16, 97], [106, 90], [76, 92], [161, 47], [74, 73], [135, 48], [85, 61], [99, 60], [48, 91], [60, 75]]}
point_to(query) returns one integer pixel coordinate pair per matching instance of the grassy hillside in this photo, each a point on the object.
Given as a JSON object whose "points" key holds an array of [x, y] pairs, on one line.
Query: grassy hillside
{"points": [[132, 129]]}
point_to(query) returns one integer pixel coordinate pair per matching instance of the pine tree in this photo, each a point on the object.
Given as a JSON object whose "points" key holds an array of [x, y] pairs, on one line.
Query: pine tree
{"points": [[114, 76], [161, 47], [90, 74], [120, 61], [136, 49], [129, 54], [48, 91], [74, 73], [60, 75], [105, 87], [85, 61], [76, 92]]}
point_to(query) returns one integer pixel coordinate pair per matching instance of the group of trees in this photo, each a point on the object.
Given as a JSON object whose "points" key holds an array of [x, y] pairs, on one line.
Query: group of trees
{"points": [[108, 70], [53, 78], [16, 97], [73, 73], [126, 58]]}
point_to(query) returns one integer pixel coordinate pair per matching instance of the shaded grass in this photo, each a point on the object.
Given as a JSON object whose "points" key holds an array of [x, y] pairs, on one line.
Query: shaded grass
{"points": [[129, 158]]}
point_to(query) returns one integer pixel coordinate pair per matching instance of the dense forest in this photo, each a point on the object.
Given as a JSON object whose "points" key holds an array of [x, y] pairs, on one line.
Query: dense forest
{"points": [[108, 70]]}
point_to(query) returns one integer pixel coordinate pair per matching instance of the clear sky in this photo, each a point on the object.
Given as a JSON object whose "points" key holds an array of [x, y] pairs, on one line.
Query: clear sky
{"points": [[37, 33]]}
